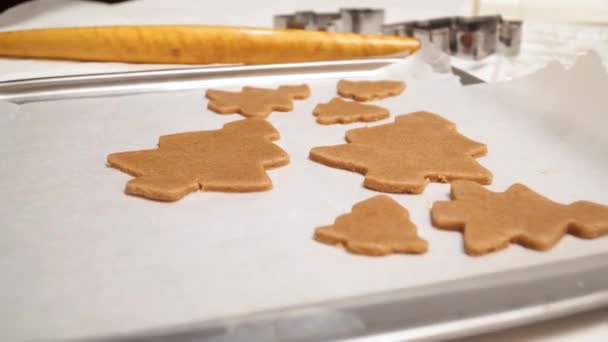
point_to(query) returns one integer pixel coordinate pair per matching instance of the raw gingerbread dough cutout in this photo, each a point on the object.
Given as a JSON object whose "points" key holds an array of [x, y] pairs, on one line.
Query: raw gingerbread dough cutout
{"points": [[340, 111], [369, 90], [233, 159], [402, 157], [256, 102], [377, 226], [491, 220]]}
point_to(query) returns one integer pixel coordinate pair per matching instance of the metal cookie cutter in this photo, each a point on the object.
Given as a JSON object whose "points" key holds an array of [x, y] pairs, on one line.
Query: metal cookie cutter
{"points": [[470, 37], [473, 37], [357, 20]]}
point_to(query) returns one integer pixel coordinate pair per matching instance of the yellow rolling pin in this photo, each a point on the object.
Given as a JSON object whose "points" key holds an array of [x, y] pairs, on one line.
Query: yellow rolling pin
{"points": [[196, 44]]}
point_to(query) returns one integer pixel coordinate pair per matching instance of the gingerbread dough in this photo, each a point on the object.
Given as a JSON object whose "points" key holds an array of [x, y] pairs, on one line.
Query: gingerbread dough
{"points": [[256, 102], [377, 226], [369, 90], [402, 157], [492, 220], [340, 111], [232, 159]]}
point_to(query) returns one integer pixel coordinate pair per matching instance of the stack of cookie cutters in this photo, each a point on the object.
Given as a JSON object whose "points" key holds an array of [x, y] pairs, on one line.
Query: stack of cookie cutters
{"points": [[468, 37]]}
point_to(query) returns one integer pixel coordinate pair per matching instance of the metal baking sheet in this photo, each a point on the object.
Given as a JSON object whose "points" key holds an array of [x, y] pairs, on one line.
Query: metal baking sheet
{"points": [[163, 80], [81, 259]]}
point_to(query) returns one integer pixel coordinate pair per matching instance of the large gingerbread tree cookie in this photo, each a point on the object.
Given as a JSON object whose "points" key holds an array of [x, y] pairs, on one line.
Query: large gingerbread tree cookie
{"points": [[232, 159], [492, 220], [402, 157]]}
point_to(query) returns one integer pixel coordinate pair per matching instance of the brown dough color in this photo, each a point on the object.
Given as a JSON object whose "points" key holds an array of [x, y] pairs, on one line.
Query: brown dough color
{"points": [[256, 102], [377, 226], [402, 157], [369, 90], [492, 220], [232, 159], [340, 111]]}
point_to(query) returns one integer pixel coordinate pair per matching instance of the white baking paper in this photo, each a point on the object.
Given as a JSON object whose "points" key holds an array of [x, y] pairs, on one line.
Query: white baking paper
{"points": [[78, 257]]}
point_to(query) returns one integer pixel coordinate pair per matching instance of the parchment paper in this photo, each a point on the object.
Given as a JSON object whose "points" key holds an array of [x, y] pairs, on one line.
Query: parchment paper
{"points": [[80, 258]]}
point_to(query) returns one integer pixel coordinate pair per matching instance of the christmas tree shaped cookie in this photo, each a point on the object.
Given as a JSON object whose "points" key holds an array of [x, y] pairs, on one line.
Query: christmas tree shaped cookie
{"points": [[492, 220], [232, 159], [377, 226], [256, 102], [369, 90], [402, 157], [340, 111]]}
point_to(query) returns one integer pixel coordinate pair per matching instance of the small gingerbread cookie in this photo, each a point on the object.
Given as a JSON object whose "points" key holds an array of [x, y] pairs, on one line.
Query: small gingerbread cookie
{"points": [[232, 159], [490, 221], [369, 90], [340, 111], [256, 102], [377, 226], [297, 92], [402, 157]]}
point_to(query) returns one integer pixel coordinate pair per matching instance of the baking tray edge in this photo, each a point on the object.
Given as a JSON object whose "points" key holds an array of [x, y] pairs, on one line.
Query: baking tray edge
{"points": [[159, 80], [440, 311]]}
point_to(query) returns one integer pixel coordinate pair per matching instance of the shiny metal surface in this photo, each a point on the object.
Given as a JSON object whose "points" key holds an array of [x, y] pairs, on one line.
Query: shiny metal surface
{"points": [[468, 37], [133, 82], [509, 38], [356, 20], [465, 77], [447, 310]]}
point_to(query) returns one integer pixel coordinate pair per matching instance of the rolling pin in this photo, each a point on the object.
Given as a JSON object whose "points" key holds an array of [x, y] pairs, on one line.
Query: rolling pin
{"points": [[196, 44]]}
